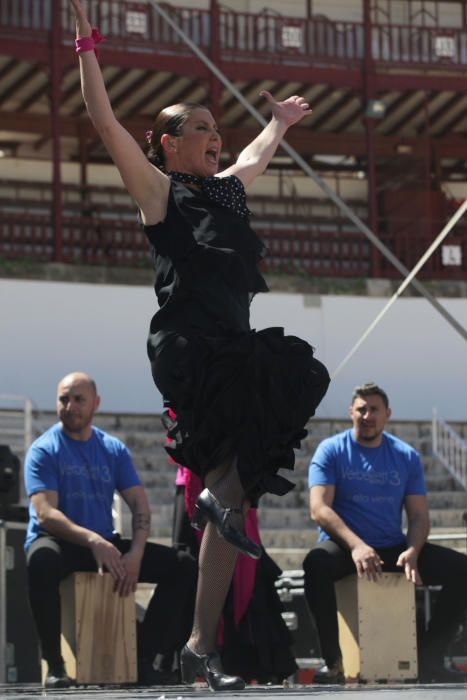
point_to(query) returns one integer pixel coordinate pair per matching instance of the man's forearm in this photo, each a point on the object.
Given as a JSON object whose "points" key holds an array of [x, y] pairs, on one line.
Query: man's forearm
{"points": [[417, 532], [57, 524], [335, 527], [141, 525]]}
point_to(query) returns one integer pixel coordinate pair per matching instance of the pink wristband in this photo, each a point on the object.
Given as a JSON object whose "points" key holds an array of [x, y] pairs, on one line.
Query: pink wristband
{"points": [[88, 43]]}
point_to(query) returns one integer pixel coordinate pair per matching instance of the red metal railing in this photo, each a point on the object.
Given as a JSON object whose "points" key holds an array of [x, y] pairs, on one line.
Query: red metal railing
{"points": [[115, 242], [419, 45], [24, 16], [124, 23], [277, 39], [315, 250], [265, 37]]}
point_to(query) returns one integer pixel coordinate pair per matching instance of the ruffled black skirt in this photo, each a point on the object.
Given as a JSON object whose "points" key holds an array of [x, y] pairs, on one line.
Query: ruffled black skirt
{"points": [[246, 396]]}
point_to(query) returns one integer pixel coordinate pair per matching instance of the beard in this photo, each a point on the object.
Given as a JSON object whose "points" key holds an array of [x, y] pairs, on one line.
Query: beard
{"points": [[369, 437]]}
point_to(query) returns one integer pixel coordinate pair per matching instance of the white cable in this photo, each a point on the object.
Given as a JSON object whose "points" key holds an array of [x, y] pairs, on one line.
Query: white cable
{"points": [[438, 240], [311, 173]]}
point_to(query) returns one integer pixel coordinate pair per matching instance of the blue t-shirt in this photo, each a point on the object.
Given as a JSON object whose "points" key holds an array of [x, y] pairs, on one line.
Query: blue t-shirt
{"points": [[371, 484], [85, 475]]}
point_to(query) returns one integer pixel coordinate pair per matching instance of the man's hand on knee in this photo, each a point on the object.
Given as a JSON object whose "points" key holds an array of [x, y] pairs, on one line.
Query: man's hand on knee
{"points": [[107, 556], [367, 562], [408, 561], [132, 564]]}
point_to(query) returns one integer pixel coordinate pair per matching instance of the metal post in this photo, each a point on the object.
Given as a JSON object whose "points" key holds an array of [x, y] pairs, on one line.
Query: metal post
{"points": [[117, 513], [369, 93], [85, 217], [434, 434], [215, 90], [83, 169], [372, 203], [427, 605], [27, 423], [27, 442], [2, 602], [55, 81]]}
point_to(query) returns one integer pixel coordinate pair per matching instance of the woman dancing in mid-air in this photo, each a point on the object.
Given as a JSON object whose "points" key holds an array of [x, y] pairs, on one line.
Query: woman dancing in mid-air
{"points": [[241, 397]]}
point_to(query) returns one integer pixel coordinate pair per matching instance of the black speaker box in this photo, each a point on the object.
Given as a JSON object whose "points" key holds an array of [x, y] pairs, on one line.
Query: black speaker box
{"points": [[19, 647]]}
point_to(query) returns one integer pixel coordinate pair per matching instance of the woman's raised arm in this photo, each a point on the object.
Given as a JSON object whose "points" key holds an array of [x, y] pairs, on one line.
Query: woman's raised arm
{"points": [[255, 158], [148, 185]]}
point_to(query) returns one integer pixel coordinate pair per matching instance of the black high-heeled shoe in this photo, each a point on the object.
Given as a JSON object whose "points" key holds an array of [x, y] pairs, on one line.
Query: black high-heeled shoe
{"points": [[207, 507], [209, 667]]}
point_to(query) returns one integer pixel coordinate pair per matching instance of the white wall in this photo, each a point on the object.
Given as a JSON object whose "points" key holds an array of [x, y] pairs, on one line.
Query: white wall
{"points": [[51, 328]]}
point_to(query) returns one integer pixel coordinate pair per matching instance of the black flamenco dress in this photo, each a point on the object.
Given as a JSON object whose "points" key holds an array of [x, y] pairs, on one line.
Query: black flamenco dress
{"points": [[236, 392]]}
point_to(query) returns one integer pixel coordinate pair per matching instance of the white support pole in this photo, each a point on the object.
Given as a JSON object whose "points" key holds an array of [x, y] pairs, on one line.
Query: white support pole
{"points": [[434, 433], [311, 173], [438, 240]]}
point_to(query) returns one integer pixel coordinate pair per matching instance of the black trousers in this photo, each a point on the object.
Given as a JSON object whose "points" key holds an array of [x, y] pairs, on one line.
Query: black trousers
{"points": [[438, 566], [164, 628]]}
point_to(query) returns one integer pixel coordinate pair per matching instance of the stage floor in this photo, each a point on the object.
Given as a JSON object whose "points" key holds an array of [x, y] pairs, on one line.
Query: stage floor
{"points": [[296, 692]]}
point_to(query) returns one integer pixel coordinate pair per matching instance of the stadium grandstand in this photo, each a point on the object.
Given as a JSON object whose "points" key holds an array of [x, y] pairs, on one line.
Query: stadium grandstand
{"points": [[386, 81]]}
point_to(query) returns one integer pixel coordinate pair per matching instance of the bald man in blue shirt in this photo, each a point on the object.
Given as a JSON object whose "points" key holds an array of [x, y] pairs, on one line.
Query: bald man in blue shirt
{"points": [[71, 474]]}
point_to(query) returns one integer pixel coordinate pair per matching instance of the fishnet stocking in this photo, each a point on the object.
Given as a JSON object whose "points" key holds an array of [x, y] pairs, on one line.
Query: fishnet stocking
{"points": [[224, 483], [216, 561], [216, 566]]}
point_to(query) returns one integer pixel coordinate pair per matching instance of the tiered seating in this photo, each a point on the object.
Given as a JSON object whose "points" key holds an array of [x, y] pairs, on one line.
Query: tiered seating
{"points": [[99, 228]]}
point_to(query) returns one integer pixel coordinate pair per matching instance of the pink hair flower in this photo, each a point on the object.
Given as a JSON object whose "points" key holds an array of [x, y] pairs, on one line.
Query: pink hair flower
{"points": [[148, 135]]}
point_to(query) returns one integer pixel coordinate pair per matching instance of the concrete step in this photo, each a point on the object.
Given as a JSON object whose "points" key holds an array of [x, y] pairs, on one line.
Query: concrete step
{"points": [[161, 495], [447, 499], [441, 482], [157, 532], [297, 499], [460, 545], [153, 481], [287, 559], [283, 518], [145, 443], [453, 537], [291, 538], [433, 467], [166, 518], [446, 517]]}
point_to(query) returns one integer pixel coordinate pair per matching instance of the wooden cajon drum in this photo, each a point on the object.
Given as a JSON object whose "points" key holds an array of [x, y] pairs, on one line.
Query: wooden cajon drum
{"points": [[377, 628], [98, 630]]}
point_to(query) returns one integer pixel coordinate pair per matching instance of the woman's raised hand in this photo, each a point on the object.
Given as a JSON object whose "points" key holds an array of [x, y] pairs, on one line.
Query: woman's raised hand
{"points": [[289, 111], [83, 28]]}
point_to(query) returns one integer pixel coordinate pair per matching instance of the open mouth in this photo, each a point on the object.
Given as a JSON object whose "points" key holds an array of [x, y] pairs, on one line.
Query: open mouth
{"points": [[212, 155]]}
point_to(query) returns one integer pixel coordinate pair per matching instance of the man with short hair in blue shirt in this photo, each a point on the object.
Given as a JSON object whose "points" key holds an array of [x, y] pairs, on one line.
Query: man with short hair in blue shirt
{"points": [[71, 474], [360, 481]]}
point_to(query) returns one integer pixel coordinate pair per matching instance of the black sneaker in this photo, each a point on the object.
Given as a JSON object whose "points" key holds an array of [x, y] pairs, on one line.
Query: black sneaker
{"points": [[57, 677], [330, 675]]}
